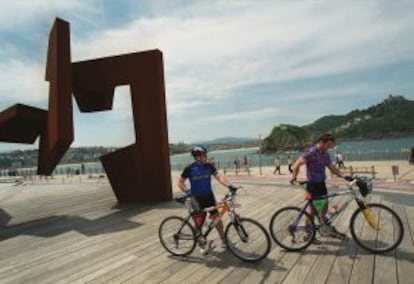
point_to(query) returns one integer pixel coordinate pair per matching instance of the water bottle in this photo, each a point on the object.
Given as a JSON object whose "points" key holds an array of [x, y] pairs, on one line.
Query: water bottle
{"points": [[330, 213], [188, 205], [194, 204]]}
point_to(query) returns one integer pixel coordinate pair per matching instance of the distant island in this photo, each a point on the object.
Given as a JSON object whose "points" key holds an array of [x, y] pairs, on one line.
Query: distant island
{"points": [[392, 118]]}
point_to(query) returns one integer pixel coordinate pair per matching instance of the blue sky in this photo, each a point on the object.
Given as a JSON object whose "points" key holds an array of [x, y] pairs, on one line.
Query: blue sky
{"points": [[233, 68]]}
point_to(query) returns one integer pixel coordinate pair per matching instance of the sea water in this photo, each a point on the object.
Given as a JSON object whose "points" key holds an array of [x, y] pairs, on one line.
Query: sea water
{"points": [[364, 150]]}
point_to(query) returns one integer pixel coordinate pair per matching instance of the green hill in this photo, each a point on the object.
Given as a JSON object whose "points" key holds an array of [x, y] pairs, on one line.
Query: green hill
{"points": [[285, 137], [394, 117]]}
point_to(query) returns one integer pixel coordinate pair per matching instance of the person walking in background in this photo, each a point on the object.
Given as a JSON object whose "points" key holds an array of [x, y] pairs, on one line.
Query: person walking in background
{"points": [[236, 164], [290, 163], [276, 163], [246, 162], [336, 158], [340, 160]]}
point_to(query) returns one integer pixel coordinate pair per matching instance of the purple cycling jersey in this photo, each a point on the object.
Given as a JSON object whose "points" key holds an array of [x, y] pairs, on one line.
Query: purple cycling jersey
{"points": [[316, 162]]}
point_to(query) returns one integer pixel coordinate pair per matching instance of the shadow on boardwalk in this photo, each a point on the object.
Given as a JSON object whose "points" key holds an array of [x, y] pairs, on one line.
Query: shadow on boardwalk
{"points": [[224, 259], [352, 250], [59, 224]]}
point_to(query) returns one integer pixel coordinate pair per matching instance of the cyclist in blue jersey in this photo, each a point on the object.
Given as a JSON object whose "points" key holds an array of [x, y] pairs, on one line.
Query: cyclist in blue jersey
{"points": [[199, 174]]}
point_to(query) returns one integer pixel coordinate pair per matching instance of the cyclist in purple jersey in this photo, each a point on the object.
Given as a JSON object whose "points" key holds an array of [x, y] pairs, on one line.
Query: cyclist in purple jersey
{"points": [[317, 159], [199, 174]]}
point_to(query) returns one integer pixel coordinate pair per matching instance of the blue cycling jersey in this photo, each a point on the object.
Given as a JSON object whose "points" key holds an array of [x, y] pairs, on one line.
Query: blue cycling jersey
{"points": [[200, 178]]}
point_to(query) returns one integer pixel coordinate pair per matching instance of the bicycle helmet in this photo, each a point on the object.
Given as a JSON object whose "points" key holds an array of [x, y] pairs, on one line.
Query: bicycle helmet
{"points": [[199, 149]]}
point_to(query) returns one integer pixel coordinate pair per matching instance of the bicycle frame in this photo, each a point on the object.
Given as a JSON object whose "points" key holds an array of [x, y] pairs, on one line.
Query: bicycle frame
{"points": [[309, 203], [224, 207]]}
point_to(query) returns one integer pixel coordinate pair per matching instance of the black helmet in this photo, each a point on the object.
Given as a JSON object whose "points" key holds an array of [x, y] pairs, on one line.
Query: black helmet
{"points": [[199, 149]]}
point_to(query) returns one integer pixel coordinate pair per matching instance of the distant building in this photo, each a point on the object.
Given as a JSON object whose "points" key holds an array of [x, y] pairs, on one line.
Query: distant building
{"points": [[394, 98]]}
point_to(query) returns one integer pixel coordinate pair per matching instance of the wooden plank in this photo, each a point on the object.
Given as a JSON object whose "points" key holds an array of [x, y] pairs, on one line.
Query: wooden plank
{"points": [[323, 265], [153, 255], [75, 248], [104, 249], [410, 220], [286, 263], [342, 266], [385, 264], [362, 270], [405, 252], [141, 271], [258, 271], [173, 268]]}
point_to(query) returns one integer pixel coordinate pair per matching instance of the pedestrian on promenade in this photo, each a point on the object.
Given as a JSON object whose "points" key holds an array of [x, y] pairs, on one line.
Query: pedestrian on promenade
{"points": [[277, 165], [246, 162], [290, 163], [236, 164], [340, 160]]}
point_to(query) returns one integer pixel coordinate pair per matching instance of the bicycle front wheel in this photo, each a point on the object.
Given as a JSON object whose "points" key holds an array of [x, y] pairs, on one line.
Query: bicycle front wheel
{"points": [[290, 230], [376, 228], [177, 236], [247, 239]]}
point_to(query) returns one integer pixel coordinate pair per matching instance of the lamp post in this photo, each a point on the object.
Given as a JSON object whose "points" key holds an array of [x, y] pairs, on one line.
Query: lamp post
{"points": [[260, 154]]}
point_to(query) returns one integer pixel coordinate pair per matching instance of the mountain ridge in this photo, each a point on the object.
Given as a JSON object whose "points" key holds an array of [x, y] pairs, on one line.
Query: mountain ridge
{"points": [[391, 118]]}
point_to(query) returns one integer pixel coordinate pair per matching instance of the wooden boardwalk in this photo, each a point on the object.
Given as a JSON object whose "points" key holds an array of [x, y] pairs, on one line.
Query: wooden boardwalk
{"points": [[69, 234]]}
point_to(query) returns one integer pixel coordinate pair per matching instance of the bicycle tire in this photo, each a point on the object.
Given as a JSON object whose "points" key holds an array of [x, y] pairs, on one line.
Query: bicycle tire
{"points": [[306, 243], [240, 227], [192, 236], [361, 243]]}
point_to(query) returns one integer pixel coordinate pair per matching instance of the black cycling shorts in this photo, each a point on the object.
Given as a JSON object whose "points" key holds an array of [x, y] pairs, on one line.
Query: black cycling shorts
{"points": [[206, 201], [316, 189]]}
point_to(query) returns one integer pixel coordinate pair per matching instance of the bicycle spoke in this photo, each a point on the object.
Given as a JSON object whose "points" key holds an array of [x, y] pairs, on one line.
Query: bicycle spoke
{"points": [[177, 236], [384, 235], [249, 241], [289, 235]]}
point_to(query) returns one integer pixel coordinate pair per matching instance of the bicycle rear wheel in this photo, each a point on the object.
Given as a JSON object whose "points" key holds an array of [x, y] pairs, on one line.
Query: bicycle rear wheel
{"points": [[289, 232], [247, 239], [377, 228], [177, 236]]}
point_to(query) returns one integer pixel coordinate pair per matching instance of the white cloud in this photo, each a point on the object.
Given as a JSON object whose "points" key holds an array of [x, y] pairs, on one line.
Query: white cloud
{"points": [[21, 14], [210, 49], [23, 82], [211, 53]]}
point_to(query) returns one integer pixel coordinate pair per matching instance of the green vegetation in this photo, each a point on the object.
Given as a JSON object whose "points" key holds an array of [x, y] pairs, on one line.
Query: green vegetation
{"points": [[394, 117], [285, 137], [179, 148]]}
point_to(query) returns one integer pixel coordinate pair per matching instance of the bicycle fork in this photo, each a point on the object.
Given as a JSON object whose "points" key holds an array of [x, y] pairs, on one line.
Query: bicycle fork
{"points": [[244, 237], [366, 211]]}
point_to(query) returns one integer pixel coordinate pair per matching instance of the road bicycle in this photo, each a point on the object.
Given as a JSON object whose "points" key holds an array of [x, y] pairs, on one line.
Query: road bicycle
{"points": [[246, 238], [375, 227]]}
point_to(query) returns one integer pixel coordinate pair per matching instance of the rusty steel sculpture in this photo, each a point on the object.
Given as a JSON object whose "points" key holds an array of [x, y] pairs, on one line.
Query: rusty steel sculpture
{"points": [[138, 172]]}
